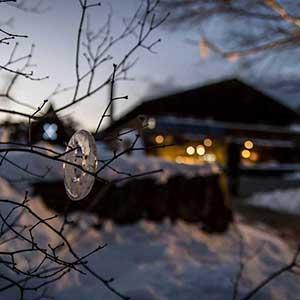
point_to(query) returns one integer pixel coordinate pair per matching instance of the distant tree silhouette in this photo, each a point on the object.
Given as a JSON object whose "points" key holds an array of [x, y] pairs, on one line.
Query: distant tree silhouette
{"points": [[263, 33]]}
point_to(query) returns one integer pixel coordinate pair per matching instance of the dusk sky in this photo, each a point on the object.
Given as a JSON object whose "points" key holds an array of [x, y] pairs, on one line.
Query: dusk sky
{"points": [[177, 64]]}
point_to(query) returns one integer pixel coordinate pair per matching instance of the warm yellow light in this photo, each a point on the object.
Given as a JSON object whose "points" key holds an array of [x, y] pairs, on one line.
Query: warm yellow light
{"points": [[159, 139], [248, 144], [189, 161], [179, 159], [246, 153], [200, 150], [190, 150], [210, 157], [207, 142], [254, 156]]}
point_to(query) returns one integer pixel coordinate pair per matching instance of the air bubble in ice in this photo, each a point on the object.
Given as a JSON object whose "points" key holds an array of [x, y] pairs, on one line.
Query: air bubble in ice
{"points": [[81, 150]]}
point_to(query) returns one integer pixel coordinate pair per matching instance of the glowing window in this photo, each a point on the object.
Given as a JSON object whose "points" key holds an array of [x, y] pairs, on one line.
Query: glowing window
{"points": [[248, 144], [210, 157], [246, 153], [50, 131], [159, 139], [190, 150], [207, 142], [200, 150]]}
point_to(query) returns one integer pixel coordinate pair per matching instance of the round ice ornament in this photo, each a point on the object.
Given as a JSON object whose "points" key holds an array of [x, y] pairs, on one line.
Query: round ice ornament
{"points": [[81, 151]]}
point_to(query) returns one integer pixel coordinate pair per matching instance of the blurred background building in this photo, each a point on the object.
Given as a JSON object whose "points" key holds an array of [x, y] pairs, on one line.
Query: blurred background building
{"points": [[203, 124]]}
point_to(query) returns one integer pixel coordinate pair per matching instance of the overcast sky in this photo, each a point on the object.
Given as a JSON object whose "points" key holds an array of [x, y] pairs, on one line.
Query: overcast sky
{"points": [[177, 64]]}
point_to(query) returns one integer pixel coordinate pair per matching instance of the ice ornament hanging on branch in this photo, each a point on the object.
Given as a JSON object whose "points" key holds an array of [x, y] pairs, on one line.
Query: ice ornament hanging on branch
{"points": [[81, 151]]}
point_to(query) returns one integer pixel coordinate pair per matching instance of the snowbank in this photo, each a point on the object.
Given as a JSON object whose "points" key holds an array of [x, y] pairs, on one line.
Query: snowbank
{"points": [[280, 200], [42, 168], [165, 261], [37, 167]]}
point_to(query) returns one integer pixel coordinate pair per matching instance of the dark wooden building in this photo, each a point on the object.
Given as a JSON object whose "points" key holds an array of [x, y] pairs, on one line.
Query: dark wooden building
{"points": [[49, 128], [201, 122]]}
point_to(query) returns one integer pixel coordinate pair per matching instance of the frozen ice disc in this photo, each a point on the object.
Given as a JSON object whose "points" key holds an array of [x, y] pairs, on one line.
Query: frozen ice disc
{"points": [[78, 183]]}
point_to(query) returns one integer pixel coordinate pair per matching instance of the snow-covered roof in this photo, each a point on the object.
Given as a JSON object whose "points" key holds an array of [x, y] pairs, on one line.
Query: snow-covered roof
{"points": [[230, 101]]}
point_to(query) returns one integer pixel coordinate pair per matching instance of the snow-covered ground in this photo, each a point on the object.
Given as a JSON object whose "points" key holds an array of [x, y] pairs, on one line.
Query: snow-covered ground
{"points": [[165, 261], [157, 261], [280, 200]]}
